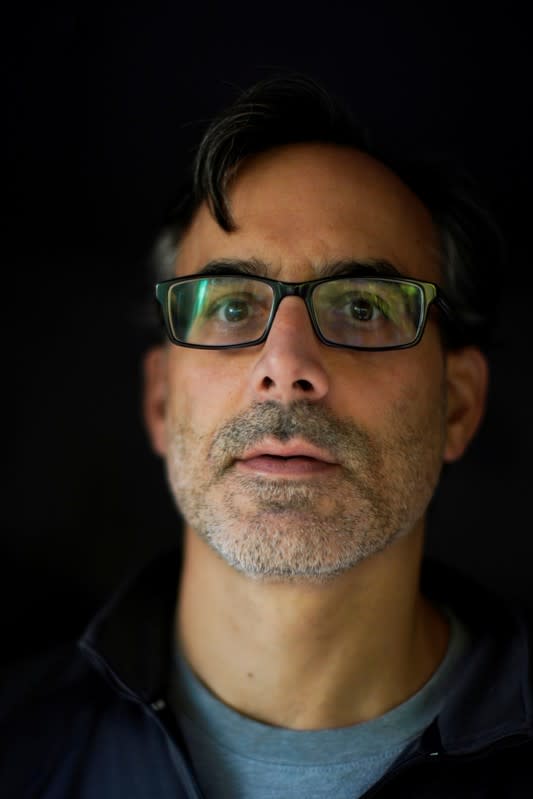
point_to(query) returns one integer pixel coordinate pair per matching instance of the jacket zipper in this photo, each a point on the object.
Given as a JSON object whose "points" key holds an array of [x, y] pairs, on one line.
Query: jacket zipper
{"points": [[507, 742], [157, 710]]}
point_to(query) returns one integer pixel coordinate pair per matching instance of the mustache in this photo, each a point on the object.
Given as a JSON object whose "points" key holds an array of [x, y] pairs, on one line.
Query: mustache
{"points": [[342, 438]]}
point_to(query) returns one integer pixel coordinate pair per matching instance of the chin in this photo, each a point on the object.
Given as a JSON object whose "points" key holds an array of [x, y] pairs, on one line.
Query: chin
{"points": [[289, 546]]}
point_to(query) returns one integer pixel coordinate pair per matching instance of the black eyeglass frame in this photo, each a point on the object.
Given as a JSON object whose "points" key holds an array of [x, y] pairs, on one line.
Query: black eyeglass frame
{"points": [[432, 294]]}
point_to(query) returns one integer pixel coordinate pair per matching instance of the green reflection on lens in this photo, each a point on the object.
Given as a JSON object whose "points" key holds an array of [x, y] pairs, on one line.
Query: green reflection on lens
{"points": [[200, 297]]}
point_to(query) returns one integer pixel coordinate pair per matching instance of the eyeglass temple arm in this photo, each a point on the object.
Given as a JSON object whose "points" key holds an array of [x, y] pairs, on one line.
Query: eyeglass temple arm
{"points": [[453, 319]]}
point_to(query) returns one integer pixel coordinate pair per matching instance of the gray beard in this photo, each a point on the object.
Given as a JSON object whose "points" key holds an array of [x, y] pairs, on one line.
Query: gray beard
{"points": [[306, 530]]}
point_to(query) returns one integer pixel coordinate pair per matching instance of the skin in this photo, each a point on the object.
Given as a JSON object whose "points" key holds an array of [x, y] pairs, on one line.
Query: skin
{"points": [[299, 603]]}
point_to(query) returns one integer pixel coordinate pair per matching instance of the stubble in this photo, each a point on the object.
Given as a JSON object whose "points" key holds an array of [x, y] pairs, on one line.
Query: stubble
{"points": [[311, 529]]}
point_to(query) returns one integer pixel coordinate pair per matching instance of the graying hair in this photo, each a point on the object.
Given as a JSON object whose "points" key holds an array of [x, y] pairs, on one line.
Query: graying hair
{"points": [[295, 108]]}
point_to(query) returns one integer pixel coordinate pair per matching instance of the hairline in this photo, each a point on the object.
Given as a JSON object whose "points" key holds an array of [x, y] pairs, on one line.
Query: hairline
{"points": [[167, 245]]}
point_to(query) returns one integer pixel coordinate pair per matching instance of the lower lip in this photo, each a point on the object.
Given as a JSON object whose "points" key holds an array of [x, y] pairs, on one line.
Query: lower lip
{"points": [[285, 467]]}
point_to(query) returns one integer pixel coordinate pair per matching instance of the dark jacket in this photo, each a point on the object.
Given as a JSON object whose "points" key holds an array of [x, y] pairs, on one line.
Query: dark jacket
{"points": [[91, 721]]}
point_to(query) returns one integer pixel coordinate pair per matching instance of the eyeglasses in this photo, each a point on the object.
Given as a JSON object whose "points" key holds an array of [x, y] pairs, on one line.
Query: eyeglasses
{"points": [[360, 313]]}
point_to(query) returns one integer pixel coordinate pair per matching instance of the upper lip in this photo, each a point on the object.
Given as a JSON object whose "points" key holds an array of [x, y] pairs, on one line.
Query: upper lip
{"points": [[291, 449]]}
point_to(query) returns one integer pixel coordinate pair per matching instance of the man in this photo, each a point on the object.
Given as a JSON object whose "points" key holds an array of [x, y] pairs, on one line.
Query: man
{"points": [[323, 360]]}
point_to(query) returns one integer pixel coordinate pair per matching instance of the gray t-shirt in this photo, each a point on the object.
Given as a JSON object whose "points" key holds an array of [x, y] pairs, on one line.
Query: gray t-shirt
{"points": [[236, 757]]}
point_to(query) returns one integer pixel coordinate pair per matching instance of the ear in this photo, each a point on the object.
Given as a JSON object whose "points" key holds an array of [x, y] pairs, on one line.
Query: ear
{"points": [[155, 397], [467, 378]]}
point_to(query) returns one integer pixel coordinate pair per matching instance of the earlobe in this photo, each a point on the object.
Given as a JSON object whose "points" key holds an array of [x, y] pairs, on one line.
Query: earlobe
{"points": [[467, 376], [155, 397]]}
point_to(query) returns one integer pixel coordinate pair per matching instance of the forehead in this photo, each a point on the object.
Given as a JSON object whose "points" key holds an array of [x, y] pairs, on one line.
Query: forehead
{"points": [[300, 207]]}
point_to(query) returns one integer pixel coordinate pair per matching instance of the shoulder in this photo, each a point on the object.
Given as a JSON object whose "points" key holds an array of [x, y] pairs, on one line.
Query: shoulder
{"points": [[60, 719]]}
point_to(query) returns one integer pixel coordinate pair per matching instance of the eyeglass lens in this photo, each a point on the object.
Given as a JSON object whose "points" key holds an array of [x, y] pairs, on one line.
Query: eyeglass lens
{"points": [[357, 312]]}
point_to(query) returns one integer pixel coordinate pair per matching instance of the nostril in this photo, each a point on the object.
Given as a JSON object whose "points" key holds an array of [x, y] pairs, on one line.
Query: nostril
{"points": [[305, 385]]}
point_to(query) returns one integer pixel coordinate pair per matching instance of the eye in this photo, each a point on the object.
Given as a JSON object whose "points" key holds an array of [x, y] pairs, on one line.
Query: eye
{"points": [[365, 308], [232, 310], [362, 309]]}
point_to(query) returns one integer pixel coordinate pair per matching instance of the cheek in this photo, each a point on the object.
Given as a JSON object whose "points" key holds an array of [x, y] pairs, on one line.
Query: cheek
{"points": [[202, 392], [370, 387]]}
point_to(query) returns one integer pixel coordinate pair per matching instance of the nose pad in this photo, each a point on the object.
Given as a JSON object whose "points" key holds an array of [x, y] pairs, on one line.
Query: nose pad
{"points": [[291, 363]]}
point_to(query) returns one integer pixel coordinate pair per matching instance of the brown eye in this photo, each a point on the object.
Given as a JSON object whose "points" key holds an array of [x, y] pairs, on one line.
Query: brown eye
{"points": [[362, 310], [231, 309], [235, 311]]}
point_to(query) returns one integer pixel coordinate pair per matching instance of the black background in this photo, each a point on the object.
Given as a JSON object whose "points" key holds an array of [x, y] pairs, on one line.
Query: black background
{"points": [[103, 102]]}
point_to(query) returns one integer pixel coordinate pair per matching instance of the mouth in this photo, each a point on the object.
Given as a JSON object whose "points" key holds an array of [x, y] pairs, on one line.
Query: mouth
{"points": [[293, 459]]}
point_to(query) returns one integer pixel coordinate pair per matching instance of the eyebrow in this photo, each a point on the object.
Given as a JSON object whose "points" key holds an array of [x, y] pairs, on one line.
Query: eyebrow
{"points": [[374, 266], [258, 268], [235, 266]]}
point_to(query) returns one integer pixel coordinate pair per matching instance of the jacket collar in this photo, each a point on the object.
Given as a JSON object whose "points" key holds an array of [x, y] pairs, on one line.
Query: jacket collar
{"points": [[132, 638], [493, 695]]}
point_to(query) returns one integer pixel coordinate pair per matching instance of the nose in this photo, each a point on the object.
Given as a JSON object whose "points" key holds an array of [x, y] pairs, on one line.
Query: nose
{"points": [[290, 366]]}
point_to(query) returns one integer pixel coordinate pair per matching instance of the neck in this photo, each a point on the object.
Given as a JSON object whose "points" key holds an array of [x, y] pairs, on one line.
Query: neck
{"points": [[308, 656]]}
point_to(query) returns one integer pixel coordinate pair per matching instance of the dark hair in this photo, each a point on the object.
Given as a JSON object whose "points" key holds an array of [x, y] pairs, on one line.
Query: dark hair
{"points": [[295, 108]]}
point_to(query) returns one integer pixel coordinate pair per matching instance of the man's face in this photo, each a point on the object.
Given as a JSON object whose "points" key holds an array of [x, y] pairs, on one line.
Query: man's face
{"points": [[239, 428]]}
